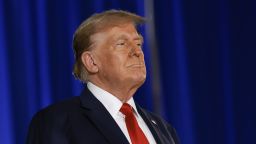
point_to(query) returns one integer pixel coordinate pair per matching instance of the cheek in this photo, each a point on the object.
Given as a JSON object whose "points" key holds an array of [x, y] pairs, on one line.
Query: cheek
{"points": [[115, 63], [120, 59]]}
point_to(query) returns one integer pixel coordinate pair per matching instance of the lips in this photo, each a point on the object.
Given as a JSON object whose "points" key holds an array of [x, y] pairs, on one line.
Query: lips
{"points": [[136, 65]]}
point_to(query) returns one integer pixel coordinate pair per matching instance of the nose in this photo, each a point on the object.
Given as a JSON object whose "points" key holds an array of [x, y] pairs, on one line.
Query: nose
{"points": [[136, 51]]}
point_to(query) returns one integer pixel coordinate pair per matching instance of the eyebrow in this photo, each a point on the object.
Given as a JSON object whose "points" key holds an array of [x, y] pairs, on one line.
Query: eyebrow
{"points": [[136, 38]]}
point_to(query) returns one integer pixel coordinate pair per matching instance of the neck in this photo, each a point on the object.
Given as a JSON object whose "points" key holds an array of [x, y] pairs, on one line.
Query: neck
{"points": [[123, 93]]}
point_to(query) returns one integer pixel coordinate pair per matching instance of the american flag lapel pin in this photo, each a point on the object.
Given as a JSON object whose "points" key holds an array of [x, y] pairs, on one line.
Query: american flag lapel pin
{"points": [[154, 122]]}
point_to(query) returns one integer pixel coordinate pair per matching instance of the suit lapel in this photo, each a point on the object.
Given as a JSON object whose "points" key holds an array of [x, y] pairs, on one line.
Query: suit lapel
{"points": [[101, 118], [154, 128]]}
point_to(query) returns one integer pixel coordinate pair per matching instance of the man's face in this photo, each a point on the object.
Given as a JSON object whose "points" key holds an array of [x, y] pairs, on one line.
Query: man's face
{"points": [[119, 56]]}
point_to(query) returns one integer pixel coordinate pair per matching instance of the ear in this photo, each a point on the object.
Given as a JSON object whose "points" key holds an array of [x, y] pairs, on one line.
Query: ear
{"points": [[89, 62]]}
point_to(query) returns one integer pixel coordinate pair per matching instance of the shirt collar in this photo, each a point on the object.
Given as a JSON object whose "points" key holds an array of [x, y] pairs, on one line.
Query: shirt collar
{"points": [[110, 102]]}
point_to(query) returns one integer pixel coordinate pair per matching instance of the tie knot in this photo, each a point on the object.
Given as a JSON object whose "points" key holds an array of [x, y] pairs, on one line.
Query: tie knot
{"points": [[126, 109]]}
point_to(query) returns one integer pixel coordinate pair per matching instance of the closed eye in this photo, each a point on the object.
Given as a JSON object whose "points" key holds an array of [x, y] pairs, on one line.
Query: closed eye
{"points": [[121, 43], [139, 44]]}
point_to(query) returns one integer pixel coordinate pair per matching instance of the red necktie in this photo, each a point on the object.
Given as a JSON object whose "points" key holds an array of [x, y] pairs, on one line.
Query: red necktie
{"points": [[136, 134]]}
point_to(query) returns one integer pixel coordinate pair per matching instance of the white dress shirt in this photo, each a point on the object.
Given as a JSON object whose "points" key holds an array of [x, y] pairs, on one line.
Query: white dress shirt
{"points": [[113, 105]]}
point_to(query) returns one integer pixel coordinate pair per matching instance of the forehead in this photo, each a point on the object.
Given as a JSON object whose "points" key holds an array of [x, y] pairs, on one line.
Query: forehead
{"points": [[127, 31], [124, 31]]}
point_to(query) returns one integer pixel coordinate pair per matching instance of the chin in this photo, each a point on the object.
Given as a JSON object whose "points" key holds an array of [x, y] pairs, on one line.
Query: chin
{"points": [[137, 77], [139, 80]]}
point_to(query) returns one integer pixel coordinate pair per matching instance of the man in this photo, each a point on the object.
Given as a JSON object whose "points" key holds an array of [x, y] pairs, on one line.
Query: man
{"points": [[109, 58]]}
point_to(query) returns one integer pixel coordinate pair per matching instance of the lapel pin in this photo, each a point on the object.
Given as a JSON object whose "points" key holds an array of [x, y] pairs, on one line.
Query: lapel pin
{"points": [[154, 122]]}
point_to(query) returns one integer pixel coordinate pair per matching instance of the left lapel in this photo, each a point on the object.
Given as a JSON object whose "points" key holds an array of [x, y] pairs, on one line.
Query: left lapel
{"points": [[101, 119], [154, 127]]}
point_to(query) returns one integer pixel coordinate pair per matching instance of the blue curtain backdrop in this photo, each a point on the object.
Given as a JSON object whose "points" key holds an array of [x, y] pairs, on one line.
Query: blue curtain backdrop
{"points": [[205, 67]]}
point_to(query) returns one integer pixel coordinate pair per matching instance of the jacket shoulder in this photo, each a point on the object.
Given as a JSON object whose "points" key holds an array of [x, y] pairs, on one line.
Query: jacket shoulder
{"points": [[63, 106], [57, 113], [52, 121]]}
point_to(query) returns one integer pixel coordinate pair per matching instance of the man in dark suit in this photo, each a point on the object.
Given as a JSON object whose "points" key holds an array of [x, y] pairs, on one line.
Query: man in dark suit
{"points": [[109, 59]]}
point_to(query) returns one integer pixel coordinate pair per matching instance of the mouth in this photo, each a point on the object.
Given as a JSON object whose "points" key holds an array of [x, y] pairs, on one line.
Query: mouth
{"points": [[136, 65]]}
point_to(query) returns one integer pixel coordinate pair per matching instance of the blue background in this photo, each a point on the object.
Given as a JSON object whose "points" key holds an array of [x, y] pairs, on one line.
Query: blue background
{"points": [[203, 63]]}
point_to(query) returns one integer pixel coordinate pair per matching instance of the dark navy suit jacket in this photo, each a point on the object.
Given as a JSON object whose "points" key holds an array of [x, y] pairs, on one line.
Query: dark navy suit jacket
{"points": [[84, 120]]}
